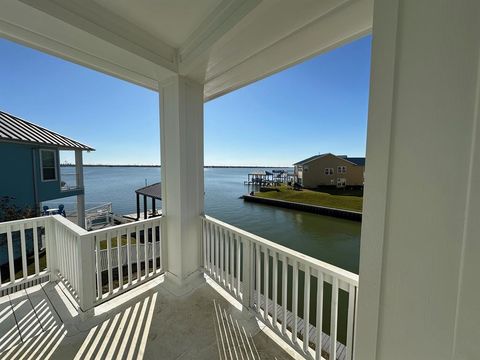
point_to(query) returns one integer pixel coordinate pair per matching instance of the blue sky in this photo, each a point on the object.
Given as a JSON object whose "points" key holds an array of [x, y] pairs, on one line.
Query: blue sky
{"points": [[314, 107]]}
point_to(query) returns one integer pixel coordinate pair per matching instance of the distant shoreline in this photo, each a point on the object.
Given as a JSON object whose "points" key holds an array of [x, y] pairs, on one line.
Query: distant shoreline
{"points": [[206, 167]]}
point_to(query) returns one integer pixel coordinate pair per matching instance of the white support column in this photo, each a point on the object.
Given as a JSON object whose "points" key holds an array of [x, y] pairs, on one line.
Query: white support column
{"points": [[181, 129], [80, 184], [418, 293], [86, 250]]}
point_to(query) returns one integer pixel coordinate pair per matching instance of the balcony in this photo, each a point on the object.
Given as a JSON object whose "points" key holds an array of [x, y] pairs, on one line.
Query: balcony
{"points": [[69, 298]]}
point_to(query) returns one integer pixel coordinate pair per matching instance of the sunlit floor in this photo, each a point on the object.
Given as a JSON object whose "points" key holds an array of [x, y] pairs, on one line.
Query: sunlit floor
{"points": [[147, 322]]}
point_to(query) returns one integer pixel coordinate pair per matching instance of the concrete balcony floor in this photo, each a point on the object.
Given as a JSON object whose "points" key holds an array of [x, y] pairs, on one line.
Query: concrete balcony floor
{"points": [[146, 322]]}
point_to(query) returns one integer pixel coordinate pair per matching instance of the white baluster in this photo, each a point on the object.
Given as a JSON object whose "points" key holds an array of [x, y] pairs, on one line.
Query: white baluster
{"points": [[318, 350], [228, 284], [35, 247], [334, 319], [295, 301], [306, 309], [11, 264], [274, 288], [145, 242], [99, 268], [266, 265], [284, 293], [120, 259], [238, 266], [129, 255], [24, 251], [204, 242], [257, 272], [222, 255], [154, 248], [109, 262], [137, 243], [350, 320]]}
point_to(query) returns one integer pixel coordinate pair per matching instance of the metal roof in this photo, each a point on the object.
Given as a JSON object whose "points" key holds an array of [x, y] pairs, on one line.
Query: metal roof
{"points": [[153, 191], [309, 159], [14, 129], [357, 160], [360, 161]]}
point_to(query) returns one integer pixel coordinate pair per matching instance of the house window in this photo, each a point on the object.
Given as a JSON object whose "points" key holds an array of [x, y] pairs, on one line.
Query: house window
{"points": [[328, 171], [305, 168], [341, 169], [48, 161]]}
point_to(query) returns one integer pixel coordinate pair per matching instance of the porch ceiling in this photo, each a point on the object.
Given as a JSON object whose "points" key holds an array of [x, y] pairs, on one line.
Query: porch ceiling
{"points": [[223, 44]]}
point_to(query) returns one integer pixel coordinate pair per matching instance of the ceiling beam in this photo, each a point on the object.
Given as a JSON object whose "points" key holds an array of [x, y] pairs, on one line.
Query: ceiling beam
{"points": [[98, 21], [225, 16]]}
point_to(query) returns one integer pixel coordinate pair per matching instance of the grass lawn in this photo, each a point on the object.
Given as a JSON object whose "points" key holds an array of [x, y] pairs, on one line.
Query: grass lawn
{"points": [[103, 244], [30, 267], [314, 198], [43, 260]]}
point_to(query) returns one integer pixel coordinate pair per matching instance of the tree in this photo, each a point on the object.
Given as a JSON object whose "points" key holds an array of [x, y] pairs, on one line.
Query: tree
{"points": [[9, 211]]}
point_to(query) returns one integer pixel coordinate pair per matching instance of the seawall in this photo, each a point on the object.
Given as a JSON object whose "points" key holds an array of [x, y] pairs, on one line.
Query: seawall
{"points": [[322, 210]]}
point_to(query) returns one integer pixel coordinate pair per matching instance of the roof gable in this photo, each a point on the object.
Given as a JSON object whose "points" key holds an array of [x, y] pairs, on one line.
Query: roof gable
{"points": [[14, 129], [311, 158], [359, 161]]}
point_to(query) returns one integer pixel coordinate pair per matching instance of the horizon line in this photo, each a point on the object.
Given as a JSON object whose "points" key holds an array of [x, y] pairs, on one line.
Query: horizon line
{"points": [[155, 165]]}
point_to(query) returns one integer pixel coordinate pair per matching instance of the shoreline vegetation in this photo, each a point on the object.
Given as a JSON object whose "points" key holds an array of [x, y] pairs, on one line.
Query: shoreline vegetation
{"points": [[311, 197], [205, 167]]}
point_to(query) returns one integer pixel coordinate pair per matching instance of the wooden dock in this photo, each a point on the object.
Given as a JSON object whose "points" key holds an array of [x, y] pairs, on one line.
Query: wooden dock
{"points": [[133, 217], [266, 178]]}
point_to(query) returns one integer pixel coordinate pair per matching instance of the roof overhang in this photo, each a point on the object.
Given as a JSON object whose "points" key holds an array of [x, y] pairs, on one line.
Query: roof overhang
{"points": [[223, 44], [46, 145]]}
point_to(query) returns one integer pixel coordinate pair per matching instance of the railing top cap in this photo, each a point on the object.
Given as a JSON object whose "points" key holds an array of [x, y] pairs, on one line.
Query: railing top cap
{"points": [[343, 274]]}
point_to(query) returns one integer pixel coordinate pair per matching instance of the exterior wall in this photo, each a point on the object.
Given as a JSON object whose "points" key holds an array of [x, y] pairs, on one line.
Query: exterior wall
{"points": [[20, 164], [418, 291], [16, 179], [314, 172]]}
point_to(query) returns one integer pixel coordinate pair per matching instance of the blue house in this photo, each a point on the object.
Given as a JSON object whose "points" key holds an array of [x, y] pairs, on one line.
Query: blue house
{"points": [[30, 165]]}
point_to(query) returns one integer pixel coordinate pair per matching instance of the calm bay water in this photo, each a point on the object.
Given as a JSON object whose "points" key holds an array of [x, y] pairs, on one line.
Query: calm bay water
{"points": [[336, 241]]}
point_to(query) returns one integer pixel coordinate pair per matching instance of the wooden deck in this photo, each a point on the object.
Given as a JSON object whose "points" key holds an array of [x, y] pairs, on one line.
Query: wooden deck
{"points": [[312, 330]]}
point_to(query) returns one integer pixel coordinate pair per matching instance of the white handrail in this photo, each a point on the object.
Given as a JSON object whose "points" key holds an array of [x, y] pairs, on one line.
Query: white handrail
{"points": [[330, 269], [74, 255], [22, 240], [263, 275], [139, 262]]}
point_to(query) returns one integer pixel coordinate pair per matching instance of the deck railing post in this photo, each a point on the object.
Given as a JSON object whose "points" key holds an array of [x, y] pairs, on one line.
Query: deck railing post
{"points": [[50, 248], [86, 269]]}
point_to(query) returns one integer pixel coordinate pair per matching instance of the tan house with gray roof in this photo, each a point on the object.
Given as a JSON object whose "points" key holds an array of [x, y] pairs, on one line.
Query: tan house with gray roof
{"points": [[330, 170]]}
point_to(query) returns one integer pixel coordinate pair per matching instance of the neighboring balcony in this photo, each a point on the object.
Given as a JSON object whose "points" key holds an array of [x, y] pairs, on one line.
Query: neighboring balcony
{"points": [[63, 294]]}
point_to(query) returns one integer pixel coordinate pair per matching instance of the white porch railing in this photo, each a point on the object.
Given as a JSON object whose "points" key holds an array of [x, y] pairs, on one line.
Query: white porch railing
{"points": [[310, 303], [98, 215], [299, 297], [141, 254], [87, 262], [21, 242]]}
